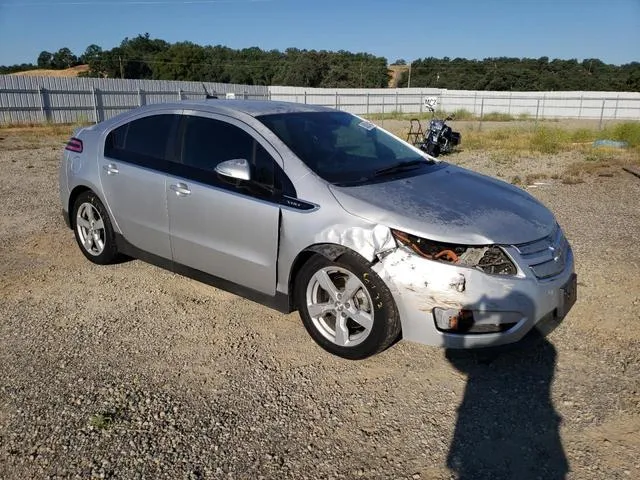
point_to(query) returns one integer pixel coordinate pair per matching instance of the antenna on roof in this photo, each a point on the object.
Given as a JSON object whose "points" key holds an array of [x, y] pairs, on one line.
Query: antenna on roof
{"points": [[207, 94]]}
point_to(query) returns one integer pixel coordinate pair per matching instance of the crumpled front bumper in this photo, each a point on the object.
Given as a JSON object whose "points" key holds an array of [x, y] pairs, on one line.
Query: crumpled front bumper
{"points": [[419, 285]]}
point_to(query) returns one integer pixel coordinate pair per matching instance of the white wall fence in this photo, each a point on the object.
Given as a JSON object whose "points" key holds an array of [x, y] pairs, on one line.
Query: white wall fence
{"points": [[67, 100], [588, 105]]}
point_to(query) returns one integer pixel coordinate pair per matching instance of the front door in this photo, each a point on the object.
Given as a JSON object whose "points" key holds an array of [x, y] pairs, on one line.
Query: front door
{"points": [[226, 229]]}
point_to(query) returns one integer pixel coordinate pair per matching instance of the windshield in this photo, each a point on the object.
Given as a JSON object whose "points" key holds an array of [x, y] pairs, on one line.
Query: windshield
{"points": [[342, 148]]}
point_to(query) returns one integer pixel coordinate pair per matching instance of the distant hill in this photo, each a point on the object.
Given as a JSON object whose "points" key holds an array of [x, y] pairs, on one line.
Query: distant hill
{"points": [[396, 72], [67, 72]]}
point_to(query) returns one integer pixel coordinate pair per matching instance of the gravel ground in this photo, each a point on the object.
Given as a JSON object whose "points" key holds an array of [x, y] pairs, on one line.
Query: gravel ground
{"points": [[130, 371]]}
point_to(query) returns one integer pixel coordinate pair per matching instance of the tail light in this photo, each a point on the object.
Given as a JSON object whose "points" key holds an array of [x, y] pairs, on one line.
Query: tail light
{"points": [[74, 145]]}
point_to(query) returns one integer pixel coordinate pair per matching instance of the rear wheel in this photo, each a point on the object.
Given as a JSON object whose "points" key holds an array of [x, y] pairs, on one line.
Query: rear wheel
{"points": [[93, 230], [346, 307]]}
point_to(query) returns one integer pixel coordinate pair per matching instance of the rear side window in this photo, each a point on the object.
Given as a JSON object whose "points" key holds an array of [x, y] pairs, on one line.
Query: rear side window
{"points": [[144, 141]]}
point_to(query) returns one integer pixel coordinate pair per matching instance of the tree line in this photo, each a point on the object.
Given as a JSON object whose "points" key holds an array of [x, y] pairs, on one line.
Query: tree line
{"points": [[522, 74], [144, 57]]}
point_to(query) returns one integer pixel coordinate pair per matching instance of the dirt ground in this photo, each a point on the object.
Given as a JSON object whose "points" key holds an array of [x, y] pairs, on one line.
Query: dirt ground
{"points": [[130, 371]]}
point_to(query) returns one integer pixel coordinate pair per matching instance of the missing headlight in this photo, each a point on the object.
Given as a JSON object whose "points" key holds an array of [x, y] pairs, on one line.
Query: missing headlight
{"points": [[490, 259]]}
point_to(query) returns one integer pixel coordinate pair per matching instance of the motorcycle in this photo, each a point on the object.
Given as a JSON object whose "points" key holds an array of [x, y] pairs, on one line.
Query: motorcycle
{"points": [[440, 138]]}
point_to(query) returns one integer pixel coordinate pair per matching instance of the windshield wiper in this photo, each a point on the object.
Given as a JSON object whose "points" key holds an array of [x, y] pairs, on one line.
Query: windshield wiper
{"points": [[398, 167]]}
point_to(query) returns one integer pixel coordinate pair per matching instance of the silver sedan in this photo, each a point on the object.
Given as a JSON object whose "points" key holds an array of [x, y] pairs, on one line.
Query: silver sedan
{"points": [[312, 209]]}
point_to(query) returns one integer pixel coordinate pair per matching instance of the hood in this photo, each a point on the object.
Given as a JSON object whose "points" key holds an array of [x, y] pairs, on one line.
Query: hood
{"points": [[451, 205]]}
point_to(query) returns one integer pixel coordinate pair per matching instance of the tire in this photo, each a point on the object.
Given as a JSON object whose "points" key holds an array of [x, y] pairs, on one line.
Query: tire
{"points": [[93, 230], [354, 326], [433, 149]]}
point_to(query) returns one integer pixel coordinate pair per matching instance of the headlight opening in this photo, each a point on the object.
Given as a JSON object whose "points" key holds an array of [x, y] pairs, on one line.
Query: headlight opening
{"points": [[490, 259]]}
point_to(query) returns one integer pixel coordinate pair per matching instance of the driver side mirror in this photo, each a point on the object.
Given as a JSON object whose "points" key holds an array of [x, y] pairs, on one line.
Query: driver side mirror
{"points": [[237, 169]]}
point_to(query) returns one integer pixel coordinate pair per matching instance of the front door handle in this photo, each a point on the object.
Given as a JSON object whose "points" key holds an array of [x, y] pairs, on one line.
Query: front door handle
{"points": [[181, 189], [111, 169]]}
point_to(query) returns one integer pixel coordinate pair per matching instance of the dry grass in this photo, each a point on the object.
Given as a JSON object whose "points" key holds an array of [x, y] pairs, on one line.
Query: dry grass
{"points": [[522, 153], [32, 136], [551, 140], [534, 177]]}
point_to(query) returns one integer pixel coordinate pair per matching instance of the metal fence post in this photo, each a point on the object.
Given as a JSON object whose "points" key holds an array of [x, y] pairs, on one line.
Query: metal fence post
{"points": [[42, 105], [179, 94], [537, 110], [396, 100], [580, 110], [615, 112], [383, 97], [367, 103], [139, 97], [336, 99], [602, 113], [305, 97], [481, 113], [94, 94]]}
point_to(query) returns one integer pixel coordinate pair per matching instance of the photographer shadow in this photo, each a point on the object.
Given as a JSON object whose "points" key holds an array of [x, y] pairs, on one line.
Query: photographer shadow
{"points": [[507, 426]]}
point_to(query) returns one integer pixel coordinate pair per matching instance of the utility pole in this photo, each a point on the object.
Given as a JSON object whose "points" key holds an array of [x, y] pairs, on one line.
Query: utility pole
{"points": [[121, 70], [409, 81]]}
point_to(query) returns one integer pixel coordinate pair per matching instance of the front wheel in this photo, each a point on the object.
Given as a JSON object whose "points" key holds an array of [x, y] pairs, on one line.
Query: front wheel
{"points": [[346, 307]]}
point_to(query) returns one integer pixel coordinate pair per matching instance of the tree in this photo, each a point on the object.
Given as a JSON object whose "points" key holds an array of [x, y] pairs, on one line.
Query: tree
{"points": [[181, 61], [91, 54], [44, 59], [400, 61], [63, 58], [138, 55]]}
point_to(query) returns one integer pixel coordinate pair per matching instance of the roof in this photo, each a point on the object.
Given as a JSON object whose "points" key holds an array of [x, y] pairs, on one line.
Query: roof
{"points": [[254, 107], [233, 108]]}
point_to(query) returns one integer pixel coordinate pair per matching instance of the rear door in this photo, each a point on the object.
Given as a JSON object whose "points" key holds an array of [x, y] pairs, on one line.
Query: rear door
{"points": [[133, 175], [228, 229]]}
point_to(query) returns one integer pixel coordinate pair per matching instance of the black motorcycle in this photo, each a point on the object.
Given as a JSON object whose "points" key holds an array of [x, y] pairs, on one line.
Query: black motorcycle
{"points": [[440, 138]]}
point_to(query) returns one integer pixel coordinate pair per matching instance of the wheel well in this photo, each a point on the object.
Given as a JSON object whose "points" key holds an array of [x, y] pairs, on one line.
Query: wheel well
{"points": [[328, 250], [75, 193]]}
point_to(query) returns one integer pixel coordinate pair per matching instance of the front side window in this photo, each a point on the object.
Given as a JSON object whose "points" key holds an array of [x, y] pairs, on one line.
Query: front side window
{"points": [[143, 141], [206, 142], [340, 147]]}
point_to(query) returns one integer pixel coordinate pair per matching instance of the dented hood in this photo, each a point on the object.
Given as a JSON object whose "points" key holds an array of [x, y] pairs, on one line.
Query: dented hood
{"points": [[451, 204]]}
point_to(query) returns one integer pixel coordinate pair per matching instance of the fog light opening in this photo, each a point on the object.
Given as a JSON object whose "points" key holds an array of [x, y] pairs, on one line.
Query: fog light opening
{"points": [[463, 321], [453, 320]]}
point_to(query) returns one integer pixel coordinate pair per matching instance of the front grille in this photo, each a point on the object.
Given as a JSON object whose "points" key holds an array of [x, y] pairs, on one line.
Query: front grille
{"points": [[546, 257]]}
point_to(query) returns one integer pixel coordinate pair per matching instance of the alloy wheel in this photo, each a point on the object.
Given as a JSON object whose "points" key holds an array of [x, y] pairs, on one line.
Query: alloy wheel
{"points": [[340, 306], [90, 228]]}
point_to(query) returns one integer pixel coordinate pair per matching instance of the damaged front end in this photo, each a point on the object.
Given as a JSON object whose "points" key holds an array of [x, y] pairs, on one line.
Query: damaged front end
{"points": [[462, 296]]}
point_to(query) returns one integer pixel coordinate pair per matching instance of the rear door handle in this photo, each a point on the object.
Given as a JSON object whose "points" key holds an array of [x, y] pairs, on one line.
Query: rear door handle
{"points": [[111, 169], [181, 189]]}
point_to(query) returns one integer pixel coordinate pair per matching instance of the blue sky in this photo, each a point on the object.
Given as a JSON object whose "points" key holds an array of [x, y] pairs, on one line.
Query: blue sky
{"points": [[409, 29]]}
